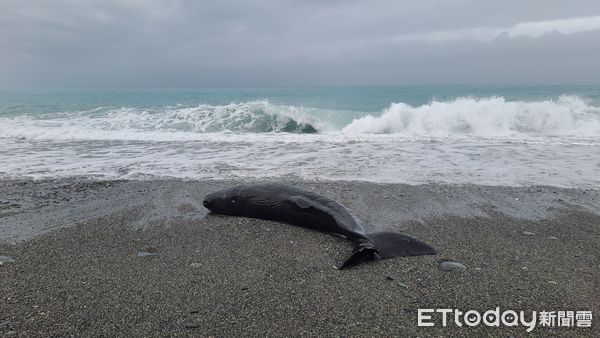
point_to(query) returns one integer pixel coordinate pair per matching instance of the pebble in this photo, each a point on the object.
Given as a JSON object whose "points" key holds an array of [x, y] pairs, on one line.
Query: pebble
{"points": [[196, 265], [6, 259], [146, 254], [191, 325], [390, 277], [402, 285], [452, 266], [528, 233], [552, 282]]}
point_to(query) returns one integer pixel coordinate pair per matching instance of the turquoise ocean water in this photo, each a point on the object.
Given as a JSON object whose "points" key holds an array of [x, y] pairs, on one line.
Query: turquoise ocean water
{"points": [[498, 135]]}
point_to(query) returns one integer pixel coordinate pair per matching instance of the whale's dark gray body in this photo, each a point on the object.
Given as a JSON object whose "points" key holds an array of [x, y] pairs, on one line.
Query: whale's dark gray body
{"points": [[299, 207]]}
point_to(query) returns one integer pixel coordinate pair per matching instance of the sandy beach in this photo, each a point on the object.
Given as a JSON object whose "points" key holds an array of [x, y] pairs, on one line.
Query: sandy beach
{"points": [[466, 133], [143, 258]]}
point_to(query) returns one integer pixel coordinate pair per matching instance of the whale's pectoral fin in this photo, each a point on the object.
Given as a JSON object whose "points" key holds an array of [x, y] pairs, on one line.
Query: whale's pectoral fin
{"points": [[306, 203], [301, 201], [393, 244], [309, 206]]}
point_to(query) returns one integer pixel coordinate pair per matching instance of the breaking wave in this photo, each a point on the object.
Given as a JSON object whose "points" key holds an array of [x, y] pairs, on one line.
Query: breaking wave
{"points": [[493, 116], [163, 123], [486, 117]]}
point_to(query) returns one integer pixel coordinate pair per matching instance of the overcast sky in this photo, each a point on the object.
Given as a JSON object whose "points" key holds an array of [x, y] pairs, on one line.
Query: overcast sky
{"points": [[178, 43]]}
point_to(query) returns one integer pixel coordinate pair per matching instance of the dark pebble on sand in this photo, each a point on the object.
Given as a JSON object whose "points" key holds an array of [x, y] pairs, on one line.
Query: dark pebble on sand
{"points": [[146, 254], [191, 325], [390, 277]]}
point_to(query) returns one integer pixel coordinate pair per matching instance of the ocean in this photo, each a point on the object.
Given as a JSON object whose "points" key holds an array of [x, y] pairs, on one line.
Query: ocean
{"points": [[489, 135]]}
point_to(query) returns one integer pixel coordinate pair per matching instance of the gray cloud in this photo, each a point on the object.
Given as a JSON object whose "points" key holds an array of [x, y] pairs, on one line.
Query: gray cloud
{"points": [[534, 29], [285, 42]]}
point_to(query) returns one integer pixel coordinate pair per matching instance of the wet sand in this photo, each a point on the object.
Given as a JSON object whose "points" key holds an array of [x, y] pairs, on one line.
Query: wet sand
{"points": [[77, 270]]}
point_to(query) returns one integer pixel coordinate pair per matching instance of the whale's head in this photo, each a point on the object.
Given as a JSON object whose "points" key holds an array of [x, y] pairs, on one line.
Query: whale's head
{"points": [[226, 201]]}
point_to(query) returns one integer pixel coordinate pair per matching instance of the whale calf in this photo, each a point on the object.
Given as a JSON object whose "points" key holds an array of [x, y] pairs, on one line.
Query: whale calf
{"points": [[289, 204]]}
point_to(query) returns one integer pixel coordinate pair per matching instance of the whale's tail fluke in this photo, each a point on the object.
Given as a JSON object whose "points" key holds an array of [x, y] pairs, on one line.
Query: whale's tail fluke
{"points": [[385, 244]]}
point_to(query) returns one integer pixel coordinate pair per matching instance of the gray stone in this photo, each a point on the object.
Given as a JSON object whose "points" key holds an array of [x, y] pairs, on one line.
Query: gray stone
{"points": [[452, 266], [6, 259], [146, 254], [402, 285]]}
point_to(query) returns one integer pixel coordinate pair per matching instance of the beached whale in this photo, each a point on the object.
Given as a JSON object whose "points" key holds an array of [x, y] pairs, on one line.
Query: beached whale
{"points": [[307, 209]]}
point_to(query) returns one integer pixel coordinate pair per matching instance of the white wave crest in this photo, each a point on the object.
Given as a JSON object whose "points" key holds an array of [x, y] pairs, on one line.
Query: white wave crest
{"points": [[493, 116]]}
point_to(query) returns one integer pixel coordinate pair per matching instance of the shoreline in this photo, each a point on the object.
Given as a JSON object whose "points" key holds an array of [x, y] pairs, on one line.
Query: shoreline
{"points": [[29, 208], [77, 271]]}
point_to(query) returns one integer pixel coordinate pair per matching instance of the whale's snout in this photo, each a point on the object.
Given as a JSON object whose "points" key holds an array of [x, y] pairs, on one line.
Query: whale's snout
{"points": [[224, 202]]}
